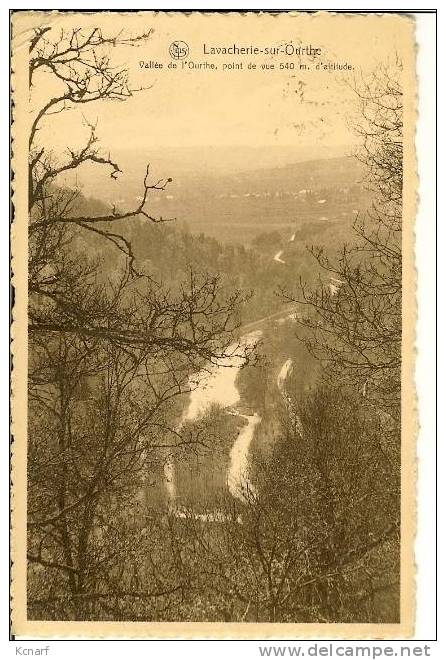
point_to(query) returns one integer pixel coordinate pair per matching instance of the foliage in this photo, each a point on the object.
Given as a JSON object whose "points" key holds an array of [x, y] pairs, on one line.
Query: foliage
{"points": [[108, 351], [354, 324], [123, 309]]}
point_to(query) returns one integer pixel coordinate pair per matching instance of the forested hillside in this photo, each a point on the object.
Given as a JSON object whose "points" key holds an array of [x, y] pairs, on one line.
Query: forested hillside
{"points": [[312, 197], [214, 414]]}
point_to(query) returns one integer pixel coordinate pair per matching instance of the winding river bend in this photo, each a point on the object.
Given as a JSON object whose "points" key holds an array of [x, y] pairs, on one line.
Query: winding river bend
{"points": [[217, 384], [283, 374], [238, 480], [278, 257]]}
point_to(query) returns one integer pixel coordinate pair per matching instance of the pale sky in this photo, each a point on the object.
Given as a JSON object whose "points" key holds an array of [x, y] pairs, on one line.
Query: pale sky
{"points": [[220, 108]]}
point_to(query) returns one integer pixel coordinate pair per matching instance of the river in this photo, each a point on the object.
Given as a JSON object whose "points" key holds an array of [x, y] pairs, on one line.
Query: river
{"points": [[283, 374], [217, 385], [278, 257], [293, 412], [238, 481]]}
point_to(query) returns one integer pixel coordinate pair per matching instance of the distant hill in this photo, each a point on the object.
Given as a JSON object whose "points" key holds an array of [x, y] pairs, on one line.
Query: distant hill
{"points": [[313, 174], [237, 207]]}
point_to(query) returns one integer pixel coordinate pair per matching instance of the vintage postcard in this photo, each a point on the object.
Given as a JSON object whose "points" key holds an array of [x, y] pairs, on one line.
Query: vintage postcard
{"points": [[214, 413]]}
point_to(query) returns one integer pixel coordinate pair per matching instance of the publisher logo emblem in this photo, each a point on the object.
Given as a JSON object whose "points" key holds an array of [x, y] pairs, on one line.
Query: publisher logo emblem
{"points": [[178, 50]]}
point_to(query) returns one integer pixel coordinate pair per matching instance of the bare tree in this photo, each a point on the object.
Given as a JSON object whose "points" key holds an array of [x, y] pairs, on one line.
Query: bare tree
{"points": [[318, 540], [354, 328], [108, 354], [77, 65]]}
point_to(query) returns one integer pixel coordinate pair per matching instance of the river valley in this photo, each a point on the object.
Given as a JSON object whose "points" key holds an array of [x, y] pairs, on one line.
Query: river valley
{"points": [[218, 384]]}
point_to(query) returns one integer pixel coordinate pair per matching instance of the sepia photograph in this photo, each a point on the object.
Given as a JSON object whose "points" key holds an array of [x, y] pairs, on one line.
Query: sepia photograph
{"points": [[214, 415]]}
